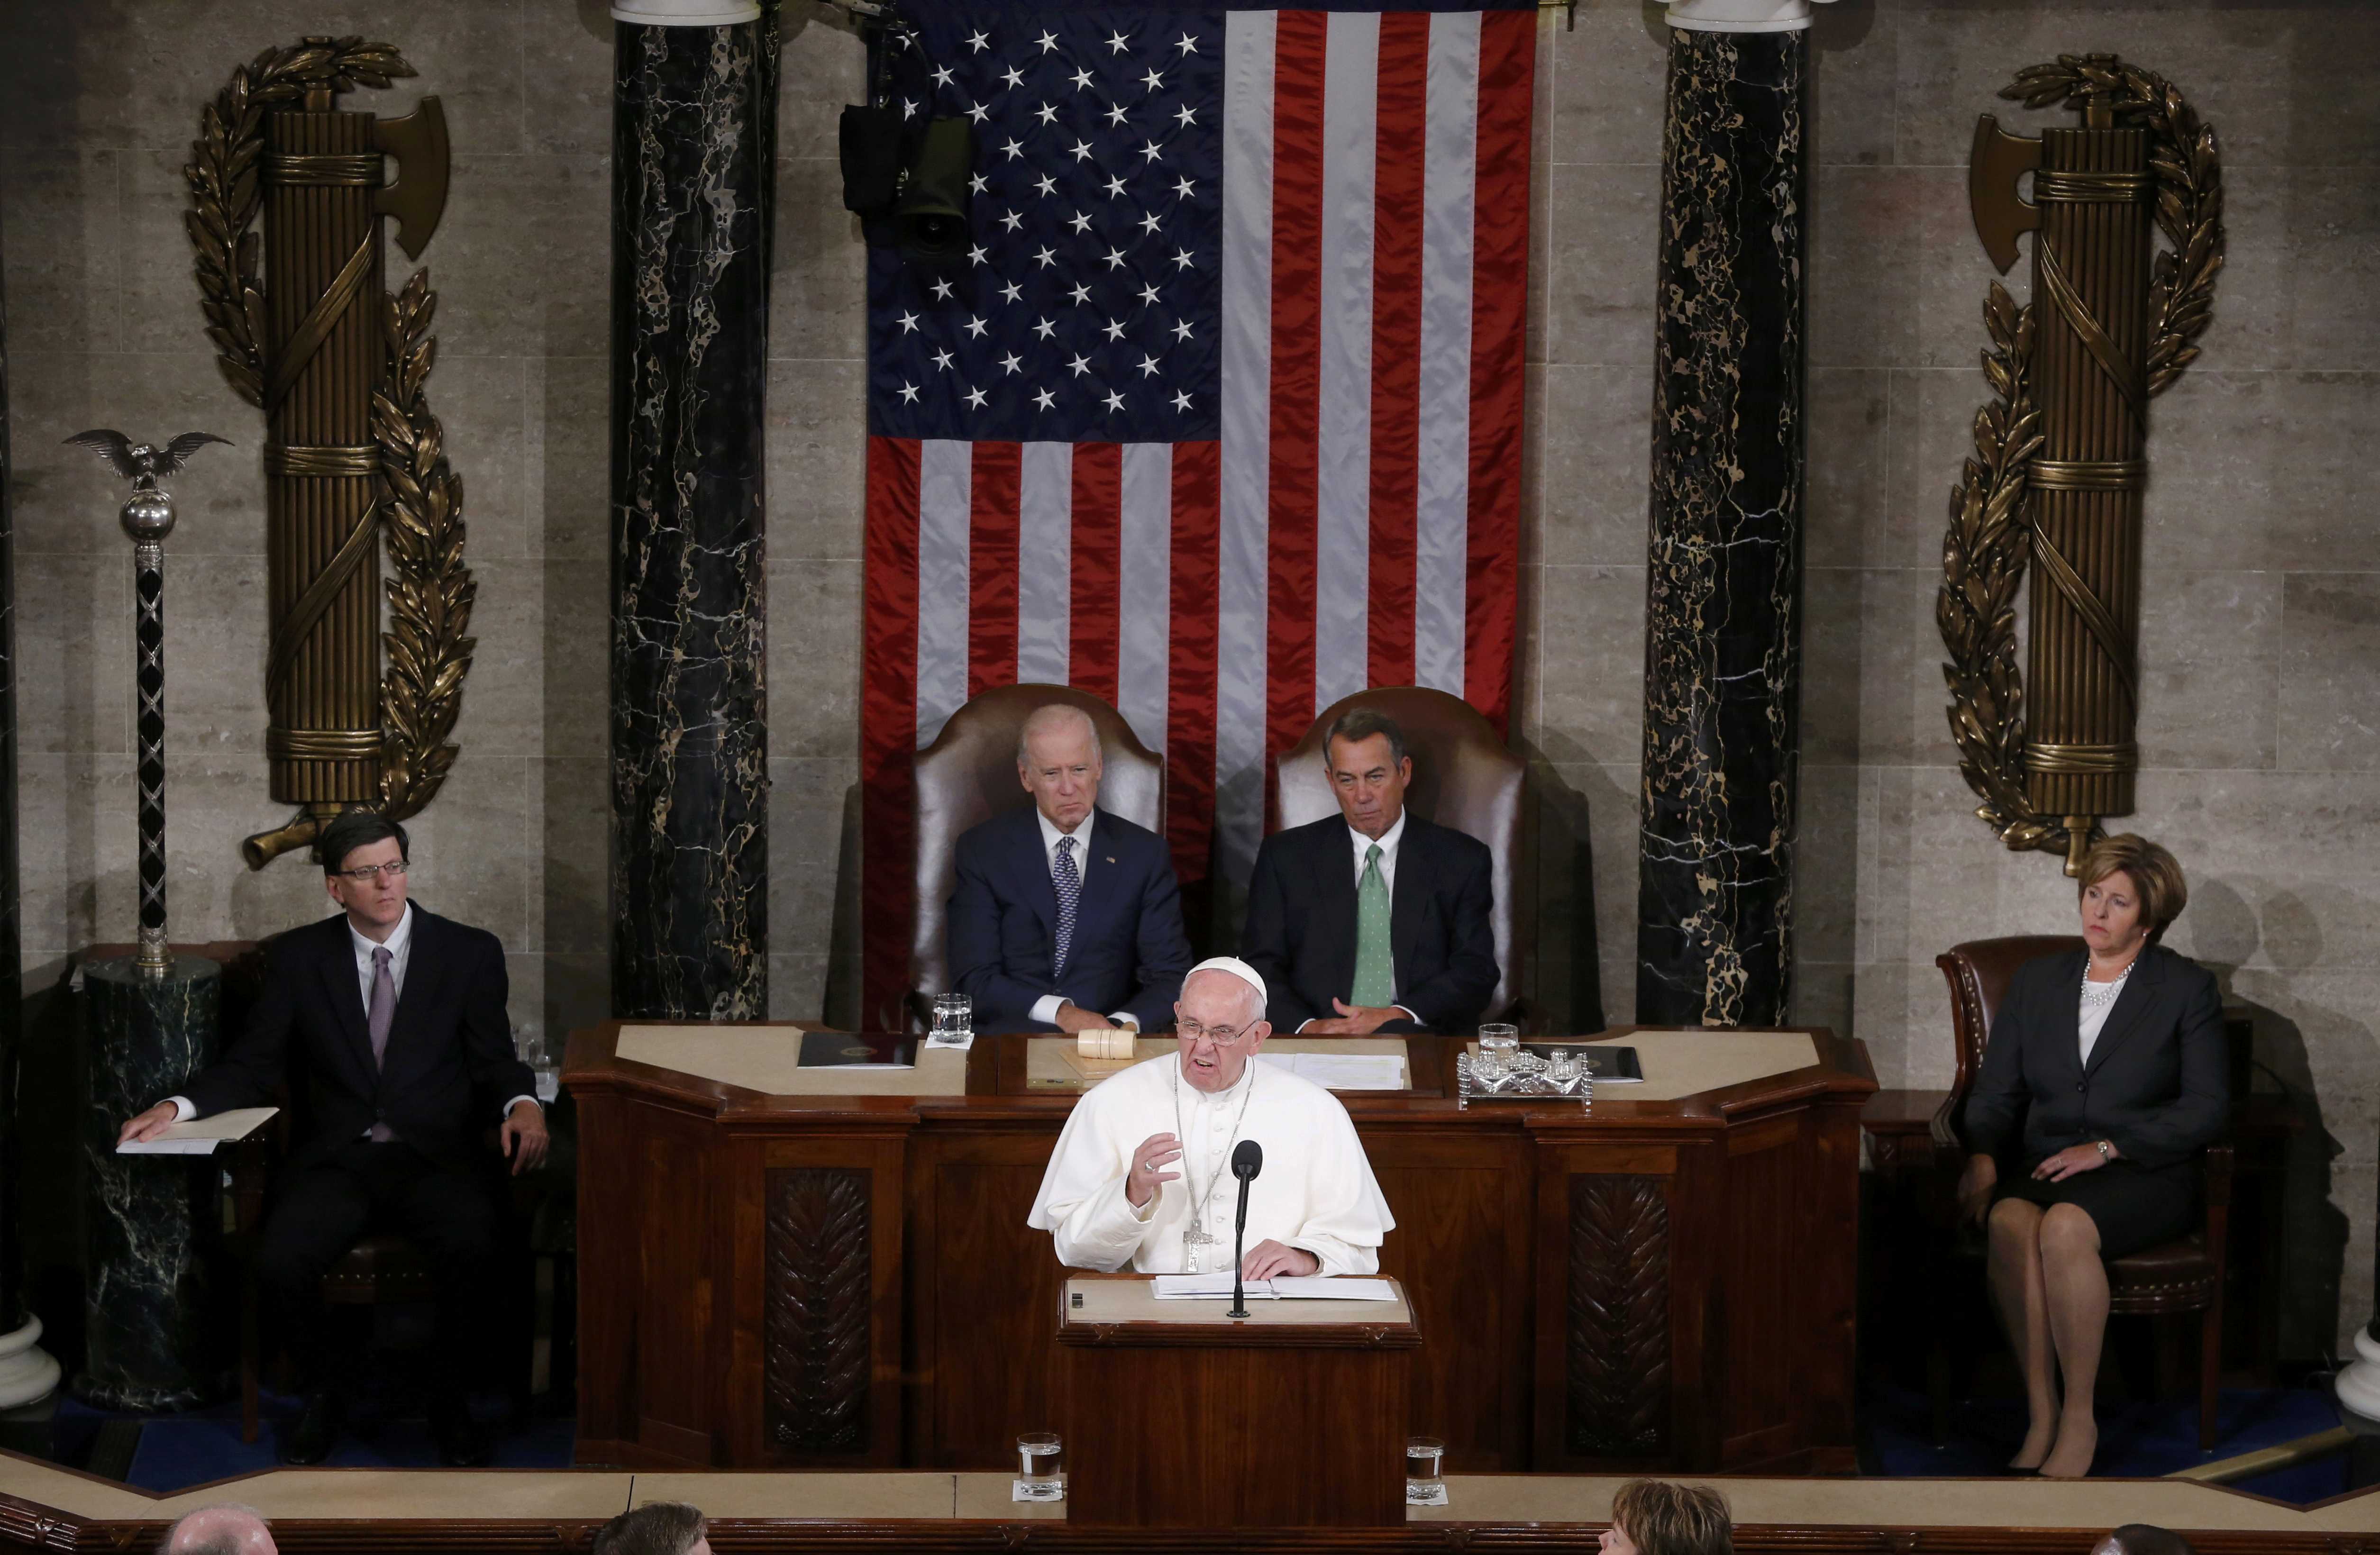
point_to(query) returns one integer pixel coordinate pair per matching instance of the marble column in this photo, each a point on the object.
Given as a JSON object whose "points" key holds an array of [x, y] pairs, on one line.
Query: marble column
{"points": [[1722, 652], [27, 1372], [693, 168], [146, 1218]]}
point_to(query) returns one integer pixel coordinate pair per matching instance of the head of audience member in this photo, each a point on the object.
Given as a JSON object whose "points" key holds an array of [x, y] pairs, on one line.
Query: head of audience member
{"points": [[1654, 1517], [1058, 761], [1219, 1023], [2131, 890], [654, 1529], [363, 858], [2143, 1539], [1365, 757], [219, 1530]]}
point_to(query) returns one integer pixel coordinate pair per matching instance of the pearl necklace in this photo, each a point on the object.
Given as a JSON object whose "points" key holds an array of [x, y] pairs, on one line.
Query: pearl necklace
{"points": [[2096, 994]]}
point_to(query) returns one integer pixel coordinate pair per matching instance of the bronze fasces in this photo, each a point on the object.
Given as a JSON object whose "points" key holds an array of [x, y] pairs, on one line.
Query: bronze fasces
{"points": [[361, 710], [2056, 483]]}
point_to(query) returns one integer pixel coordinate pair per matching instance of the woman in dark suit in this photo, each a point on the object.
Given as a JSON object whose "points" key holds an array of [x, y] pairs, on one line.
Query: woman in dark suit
{"points": [[2103, 1082]]}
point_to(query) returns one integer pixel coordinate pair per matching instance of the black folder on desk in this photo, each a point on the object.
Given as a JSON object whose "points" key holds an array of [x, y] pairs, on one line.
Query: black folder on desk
{"points": [[843, 1049], [1615, 1066]]}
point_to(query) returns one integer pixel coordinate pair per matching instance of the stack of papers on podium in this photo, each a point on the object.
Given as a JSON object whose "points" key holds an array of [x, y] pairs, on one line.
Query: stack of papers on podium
{"points": [[1342, 1070], [200, 1135], [1287, 1287]]}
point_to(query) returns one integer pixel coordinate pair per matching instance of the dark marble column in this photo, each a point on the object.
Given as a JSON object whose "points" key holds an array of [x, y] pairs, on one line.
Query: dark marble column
{"points": [[26, 1372], [1722, 652], [146, 1218], [693, 168]]}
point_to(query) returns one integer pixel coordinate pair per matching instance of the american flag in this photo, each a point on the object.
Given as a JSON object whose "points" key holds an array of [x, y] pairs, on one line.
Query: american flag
{"points": [[1220, 416]]}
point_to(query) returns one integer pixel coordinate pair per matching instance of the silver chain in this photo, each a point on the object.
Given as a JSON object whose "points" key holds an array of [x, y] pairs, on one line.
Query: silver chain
{"points": [[1214, 1178]]}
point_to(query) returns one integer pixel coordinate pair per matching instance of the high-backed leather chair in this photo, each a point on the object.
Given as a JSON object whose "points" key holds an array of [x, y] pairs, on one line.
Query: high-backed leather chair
{"points": [[2181, 1276], [968, 775], [1464, 777]]}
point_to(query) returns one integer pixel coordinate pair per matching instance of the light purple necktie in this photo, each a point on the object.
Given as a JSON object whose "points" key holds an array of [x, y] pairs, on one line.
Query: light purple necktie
{"points": [[379, 1019]]}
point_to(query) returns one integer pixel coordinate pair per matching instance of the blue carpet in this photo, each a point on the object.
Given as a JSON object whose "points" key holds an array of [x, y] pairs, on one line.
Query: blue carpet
{"points": [[2141, 1439], [177, 1451]]}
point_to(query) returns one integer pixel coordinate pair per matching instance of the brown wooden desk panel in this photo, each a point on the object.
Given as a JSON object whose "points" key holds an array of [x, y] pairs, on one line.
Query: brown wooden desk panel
{"points": [[847, 1279]]}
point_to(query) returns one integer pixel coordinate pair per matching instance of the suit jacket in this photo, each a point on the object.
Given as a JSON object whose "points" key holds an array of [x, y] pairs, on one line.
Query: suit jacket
{"points": [[2158, 1083], [1300, 931], [449, 1067], [1129, 953]]}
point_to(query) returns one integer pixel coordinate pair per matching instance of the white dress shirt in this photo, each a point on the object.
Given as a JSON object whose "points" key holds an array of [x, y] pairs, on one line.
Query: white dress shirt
{"points": [[1387, 842], [1045, 1009], [399, 945]]}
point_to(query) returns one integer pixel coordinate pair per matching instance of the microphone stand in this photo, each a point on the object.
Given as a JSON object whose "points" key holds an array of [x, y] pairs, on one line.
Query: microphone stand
{"points": [[1239, 1234]]}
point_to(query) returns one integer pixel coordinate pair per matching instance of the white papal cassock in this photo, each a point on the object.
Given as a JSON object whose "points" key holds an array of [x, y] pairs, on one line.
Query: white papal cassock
{"points": [[1315, 1192]]}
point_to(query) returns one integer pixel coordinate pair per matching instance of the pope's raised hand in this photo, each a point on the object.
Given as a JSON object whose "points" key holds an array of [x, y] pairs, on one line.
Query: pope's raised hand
{"points": [[1140, 1183]]}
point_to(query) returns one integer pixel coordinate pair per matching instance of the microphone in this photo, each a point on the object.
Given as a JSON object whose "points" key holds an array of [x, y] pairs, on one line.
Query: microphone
{"points": [[1247, 1159]]}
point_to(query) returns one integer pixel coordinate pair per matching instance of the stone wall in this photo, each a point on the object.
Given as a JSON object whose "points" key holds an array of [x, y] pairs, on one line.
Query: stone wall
{"points": [[2261, 637]]}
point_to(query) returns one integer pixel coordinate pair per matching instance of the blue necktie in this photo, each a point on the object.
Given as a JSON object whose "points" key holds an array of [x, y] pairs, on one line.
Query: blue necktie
{"points": [[1069, 882]]}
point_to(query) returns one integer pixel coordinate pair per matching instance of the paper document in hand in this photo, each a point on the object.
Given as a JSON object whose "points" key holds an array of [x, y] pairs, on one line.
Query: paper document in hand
{"points": [[200, 1135], [1342, 1070]]}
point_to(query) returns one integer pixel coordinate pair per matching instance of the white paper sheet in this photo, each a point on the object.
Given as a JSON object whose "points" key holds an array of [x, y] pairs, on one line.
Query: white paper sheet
{"points": [[200, 1135], [1287, 1287], [1342, 1070]]}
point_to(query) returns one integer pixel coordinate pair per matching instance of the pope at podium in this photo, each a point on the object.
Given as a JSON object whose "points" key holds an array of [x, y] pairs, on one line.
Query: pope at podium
{"points": [[1142, 1175]]}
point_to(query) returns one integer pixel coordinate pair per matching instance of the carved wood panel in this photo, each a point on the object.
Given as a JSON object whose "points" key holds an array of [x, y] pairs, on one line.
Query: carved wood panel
{"points": [[1619, 1328], [814, 1356]]}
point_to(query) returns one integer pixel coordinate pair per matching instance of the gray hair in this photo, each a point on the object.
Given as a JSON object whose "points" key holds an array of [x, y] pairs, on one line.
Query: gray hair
{"points": [[1362, 724], [1048, 719], [654, 1529], [227, 1536]]}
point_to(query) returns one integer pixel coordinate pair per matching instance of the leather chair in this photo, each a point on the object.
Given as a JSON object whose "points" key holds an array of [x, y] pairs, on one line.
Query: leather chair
{"points": [[1464, 777], [968, 775], [2179, 1277]]}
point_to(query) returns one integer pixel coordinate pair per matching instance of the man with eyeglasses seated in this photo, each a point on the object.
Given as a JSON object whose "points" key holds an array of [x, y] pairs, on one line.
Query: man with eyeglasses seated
{"points": [[386, 1025], [1142, 1172]]}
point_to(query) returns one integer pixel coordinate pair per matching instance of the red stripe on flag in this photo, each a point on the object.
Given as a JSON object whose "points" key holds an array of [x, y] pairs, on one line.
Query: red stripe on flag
{"points": [[1500, 268], [992, 527], [1193, 634], [1099, 564], [1396, 339], [888, 717], [1300, 48]]}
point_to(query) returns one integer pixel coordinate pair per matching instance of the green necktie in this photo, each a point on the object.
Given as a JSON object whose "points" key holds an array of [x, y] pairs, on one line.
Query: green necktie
{"points": [[1375, 973]]}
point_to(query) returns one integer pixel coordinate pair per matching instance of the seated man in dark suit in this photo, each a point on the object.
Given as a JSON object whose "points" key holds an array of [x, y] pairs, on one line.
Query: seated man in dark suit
{"points": [[1375, 919], [1065, 916], [386, 1025]]}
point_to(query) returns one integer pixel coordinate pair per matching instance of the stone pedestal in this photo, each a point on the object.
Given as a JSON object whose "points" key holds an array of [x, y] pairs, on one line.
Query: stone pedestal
{"points": [[147, 1218], [1722, 662], [694, 153]]}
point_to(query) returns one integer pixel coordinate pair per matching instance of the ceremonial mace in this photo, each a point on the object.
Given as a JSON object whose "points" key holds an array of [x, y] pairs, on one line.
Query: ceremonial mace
{"points": [[148, 518], [150, 1025]]}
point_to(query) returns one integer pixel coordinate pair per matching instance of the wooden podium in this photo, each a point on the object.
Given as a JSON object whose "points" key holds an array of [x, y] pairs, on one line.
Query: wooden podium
{"points": [[1177, 1416]]}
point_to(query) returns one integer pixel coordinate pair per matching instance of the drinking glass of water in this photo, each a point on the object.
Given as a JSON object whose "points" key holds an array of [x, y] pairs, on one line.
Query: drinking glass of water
{"points": [[1423, 1483], [953, 1017], [1498, 1044], [1037, 1476]]}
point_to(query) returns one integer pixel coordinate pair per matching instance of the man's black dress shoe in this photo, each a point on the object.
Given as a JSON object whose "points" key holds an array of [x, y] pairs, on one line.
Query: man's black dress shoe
{"points": [[316, 1432], [462, 1441]]}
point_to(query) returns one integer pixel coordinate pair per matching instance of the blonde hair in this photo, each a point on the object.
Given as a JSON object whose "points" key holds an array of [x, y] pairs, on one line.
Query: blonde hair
{"points": [[2155, 874], [1661, 1518]]}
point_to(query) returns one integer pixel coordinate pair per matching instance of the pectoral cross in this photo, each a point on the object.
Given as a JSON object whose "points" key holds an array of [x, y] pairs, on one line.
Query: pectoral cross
{"points": [[1195, 1242]]}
